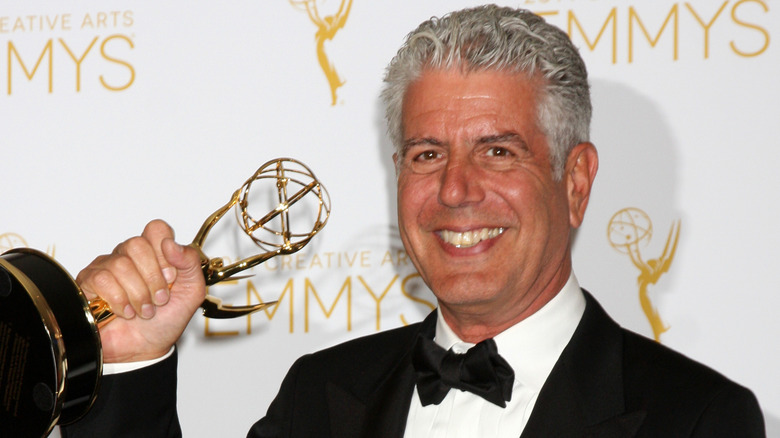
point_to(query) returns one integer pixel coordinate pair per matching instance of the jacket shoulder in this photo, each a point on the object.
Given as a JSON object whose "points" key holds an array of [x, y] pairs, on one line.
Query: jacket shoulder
{"points": [[351, 370], [649, 363], [673, 388], [364, 352]]}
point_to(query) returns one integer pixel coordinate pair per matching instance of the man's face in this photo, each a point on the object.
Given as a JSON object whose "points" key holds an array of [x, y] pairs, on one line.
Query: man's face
{"points": [[479, 212]]}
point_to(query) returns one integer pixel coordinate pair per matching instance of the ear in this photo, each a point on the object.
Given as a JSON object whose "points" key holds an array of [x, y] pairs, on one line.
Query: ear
{"points": [[579, 173], [396, 163]]}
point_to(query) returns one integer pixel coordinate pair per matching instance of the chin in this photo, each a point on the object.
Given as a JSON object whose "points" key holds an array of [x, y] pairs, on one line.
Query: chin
{"points": [[463, 291]]}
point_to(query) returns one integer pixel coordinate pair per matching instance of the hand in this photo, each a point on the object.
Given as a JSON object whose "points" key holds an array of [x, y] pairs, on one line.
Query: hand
{"points": [[153, 285]]}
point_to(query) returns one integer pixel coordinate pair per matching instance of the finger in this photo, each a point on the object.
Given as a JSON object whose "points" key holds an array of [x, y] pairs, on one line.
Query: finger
{"points": [[156, 232], [99, 280], [136, 267], [162, 275]]}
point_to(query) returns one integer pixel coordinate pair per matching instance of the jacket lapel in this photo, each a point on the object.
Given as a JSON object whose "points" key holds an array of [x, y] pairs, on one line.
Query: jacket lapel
{"points": [[377, 405], [625, 425], [388, 408], [347, 412], [583, 396]]}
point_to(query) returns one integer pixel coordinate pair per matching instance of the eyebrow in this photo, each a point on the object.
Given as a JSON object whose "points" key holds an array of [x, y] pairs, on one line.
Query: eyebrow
{"points": [[510, 137], [411, 142]]}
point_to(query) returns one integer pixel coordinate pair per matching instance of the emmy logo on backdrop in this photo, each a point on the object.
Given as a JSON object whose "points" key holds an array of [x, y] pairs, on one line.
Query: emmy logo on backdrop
{"points": [[11, 241], [627, 229], [326, 30]]}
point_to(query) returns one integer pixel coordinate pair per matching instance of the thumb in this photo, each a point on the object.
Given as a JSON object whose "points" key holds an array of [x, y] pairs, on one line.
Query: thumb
{"points": [[185, 264]]}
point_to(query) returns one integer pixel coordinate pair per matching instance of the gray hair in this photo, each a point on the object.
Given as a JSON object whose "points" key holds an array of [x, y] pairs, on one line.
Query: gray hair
{"points": [[499, 38]]}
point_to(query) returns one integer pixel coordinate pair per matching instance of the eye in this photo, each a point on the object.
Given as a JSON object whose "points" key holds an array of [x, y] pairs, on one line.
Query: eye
{"points": [[426, 156], [498, 151]]}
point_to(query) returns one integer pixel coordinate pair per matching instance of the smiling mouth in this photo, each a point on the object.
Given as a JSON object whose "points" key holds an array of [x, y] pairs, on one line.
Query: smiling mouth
{"points": [[468, 239]]}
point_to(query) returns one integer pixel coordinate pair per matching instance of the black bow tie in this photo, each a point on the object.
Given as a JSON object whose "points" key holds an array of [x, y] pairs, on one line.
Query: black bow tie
{"points": [[481, 371]]}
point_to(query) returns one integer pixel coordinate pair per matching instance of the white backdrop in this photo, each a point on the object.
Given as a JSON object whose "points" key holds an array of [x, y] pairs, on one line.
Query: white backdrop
{"points": [[114, 113]]}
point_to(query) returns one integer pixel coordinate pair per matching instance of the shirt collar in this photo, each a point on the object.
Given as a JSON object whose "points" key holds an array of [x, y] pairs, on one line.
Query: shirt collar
{"points": [[533, 345]]}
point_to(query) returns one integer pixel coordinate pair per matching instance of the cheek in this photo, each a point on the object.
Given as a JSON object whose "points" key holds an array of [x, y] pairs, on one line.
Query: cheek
{"points": [[405, 204], [413, 192], [410, 202], [539, 207]]}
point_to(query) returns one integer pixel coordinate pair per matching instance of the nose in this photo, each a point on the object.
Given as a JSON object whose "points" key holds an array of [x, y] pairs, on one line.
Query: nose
{"points": [[461, 182]]}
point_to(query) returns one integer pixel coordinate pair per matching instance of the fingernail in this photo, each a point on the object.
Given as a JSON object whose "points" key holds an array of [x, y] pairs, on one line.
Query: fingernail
{"points": [[161, 297], [169, 275], [147, 311], [129, 312]]}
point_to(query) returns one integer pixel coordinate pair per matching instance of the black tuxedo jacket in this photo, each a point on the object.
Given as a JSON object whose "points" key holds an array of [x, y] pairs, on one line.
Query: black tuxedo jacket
{"points": [[608, 382]]}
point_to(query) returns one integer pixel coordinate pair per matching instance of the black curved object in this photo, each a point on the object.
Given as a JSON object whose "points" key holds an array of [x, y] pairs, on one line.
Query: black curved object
{"points": [[51, 359]]}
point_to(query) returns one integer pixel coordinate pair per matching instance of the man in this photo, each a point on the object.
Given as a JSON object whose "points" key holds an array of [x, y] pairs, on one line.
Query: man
{"points": [[489, 111]]}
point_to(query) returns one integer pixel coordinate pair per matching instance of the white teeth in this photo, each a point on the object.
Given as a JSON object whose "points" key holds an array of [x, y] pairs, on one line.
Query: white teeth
{"points": [[469, 238]]}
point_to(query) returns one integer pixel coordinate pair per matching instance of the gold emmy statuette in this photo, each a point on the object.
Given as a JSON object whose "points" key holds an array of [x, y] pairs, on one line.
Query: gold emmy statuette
{"points": [[51, 358], [626, 230]]}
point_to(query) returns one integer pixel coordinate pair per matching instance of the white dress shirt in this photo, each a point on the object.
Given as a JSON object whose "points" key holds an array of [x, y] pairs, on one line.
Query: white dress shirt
{"points": [[125, 367], [531, 347]]}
